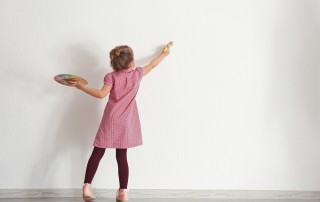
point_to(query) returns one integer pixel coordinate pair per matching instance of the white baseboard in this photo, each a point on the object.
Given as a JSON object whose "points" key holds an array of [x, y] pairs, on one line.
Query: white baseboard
{"points": [[164, 193]]}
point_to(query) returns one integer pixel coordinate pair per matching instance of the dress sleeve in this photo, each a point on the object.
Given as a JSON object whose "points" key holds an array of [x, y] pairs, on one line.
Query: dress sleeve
{"points": [[140, 73], [108, 79]]}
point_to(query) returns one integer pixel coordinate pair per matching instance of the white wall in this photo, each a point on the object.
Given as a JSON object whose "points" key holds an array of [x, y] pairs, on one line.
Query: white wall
{"points": [[235, 105]]}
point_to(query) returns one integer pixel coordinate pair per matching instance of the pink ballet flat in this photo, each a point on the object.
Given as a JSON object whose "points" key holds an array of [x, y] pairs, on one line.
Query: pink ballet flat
{"points": [[122, 195], [87, 193]]}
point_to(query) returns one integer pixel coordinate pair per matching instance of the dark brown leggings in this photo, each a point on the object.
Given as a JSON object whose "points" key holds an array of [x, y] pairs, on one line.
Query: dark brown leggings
{"points": [[123, 168]]}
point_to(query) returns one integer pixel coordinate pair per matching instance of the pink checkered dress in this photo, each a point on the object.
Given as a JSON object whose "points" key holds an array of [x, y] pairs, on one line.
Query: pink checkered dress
{"points": [[120, 124]]}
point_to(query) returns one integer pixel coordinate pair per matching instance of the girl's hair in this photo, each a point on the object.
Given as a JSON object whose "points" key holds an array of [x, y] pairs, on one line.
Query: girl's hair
{"points": [[120, 57]]}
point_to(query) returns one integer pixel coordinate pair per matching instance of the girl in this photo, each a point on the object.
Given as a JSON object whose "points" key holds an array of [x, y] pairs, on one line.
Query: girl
{"points": [[120, 124]]}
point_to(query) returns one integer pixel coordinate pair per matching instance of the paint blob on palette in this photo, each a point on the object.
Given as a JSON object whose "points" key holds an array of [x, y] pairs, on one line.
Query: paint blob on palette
{"points": [[65, 79]]}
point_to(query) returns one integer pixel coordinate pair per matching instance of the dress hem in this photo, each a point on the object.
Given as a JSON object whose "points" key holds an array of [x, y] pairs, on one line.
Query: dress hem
{"points": [[114, 147]]}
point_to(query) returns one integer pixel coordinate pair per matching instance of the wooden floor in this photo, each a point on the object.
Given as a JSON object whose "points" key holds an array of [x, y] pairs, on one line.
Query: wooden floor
{"points": [[151, 200]]}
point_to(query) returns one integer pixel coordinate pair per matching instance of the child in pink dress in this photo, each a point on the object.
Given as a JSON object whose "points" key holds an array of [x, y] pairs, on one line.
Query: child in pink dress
{"points": [[120, 125]]}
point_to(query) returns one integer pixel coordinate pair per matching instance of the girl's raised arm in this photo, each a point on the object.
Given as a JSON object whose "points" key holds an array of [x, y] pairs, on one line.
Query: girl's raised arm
{"points": [[156, 61]]}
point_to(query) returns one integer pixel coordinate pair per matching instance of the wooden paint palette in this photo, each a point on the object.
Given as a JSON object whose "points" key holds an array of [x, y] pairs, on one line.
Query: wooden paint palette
{"points": [[66, 78]]}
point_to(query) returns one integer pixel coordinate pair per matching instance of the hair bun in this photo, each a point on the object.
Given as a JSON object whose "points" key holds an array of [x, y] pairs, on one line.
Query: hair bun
{"points": [[116, 52]]}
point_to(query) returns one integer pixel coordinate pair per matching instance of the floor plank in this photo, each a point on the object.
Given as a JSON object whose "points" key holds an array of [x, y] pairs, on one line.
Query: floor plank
{"points": [[151, 200]]}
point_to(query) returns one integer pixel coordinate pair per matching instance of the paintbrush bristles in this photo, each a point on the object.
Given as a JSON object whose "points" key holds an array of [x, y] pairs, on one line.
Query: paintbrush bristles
{"points": [[169, 44]]}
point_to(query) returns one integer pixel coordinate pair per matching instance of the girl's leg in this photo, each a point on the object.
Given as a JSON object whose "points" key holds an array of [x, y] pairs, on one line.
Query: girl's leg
{"points": [[123, 168], [93, 163]]}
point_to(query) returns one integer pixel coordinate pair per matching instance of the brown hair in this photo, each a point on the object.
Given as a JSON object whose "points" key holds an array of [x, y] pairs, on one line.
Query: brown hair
{"points": [[120, 57]]}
